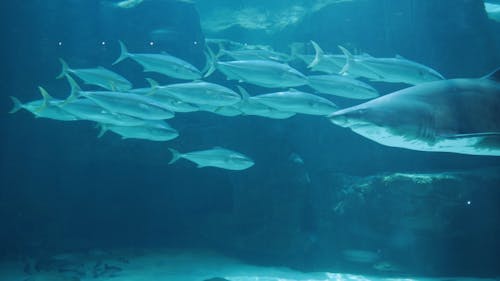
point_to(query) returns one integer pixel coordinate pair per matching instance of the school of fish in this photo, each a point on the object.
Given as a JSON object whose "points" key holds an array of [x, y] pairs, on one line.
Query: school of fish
{"points": [[433, 114]]}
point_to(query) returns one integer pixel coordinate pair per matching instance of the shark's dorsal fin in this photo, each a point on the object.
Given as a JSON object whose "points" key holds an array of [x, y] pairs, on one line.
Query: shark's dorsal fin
{"points": [[495, 75], [400, 57]]}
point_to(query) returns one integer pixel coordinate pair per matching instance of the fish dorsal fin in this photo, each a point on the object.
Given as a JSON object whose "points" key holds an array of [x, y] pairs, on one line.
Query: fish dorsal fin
{"points": [[243, 92], [152, 83], [64, 69], [103, 129], [366, 55], [75, 90], [349, 58], [113, 86], [319, 55], [46, 99], [400, 57], [494, 76], [211, 61]]}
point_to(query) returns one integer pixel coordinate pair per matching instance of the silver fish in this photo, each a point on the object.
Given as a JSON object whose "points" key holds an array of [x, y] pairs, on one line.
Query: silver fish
{"points": [[149, 130], [216, 157], [98, 76], [162, 63], [165, 100], [265, 73], [200, 93], [47, 107], [298, 102], [393, 70], [129, 104], [342, 86], [250, 106], [228, 111]]}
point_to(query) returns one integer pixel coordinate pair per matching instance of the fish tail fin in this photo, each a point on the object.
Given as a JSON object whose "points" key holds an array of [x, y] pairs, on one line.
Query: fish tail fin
{"points": [[176, 155], [75, 89], [64, 69], [244, 93], [17, 105], [348, 60], [123, 53], [153, 84], [319, 55], [211, 60], [103, 129]]}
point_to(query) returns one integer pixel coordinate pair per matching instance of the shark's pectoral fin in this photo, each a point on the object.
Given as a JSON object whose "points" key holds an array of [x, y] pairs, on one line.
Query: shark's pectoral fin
{"points": [[473, 135], [485, 140]]}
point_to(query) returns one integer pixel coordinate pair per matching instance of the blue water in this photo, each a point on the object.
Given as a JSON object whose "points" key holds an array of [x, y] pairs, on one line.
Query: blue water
{"points": [[64, 189]]}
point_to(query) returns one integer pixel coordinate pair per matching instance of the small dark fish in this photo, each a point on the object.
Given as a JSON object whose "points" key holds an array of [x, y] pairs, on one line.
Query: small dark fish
{"points": [[216, 279]]}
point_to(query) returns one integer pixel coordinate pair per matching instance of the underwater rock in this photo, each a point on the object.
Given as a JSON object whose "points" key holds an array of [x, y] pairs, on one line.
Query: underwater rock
{"points": [[258, 16], [379, 223]]}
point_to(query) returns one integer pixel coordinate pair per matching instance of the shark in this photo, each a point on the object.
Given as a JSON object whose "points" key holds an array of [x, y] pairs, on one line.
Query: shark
{"points": [[456, 115]]}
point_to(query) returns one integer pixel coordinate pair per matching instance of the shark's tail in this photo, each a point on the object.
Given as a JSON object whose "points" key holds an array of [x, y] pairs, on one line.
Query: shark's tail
{"points": [[17, 105], [123, 53], [176, 155], [64, 69], [319, 55]]}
